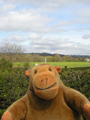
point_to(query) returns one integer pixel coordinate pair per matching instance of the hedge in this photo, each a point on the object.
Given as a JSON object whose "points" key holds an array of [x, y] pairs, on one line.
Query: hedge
{"points": [[78, 79], [14, 84]]}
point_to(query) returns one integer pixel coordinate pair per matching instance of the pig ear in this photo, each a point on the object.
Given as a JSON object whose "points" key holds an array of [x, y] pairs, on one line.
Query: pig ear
{"points": [[27, 73], [59, 69]]}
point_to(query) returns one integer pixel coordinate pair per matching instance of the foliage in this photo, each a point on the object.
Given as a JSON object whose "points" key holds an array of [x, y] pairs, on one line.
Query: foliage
{"points": [[5, 64], [78, 78], [26, 65], [15, 54], [14, 84]]}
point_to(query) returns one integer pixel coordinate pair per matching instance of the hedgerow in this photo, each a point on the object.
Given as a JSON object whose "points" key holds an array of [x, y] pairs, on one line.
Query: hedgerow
{"points": [[78, 79], [14, 84]]}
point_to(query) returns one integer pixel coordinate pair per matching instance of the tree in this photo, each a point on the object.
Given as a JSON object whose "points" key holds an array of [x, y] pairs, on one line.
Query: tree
{"points": [[38, 58], [57, 58], [49, 58], [11, 50]]}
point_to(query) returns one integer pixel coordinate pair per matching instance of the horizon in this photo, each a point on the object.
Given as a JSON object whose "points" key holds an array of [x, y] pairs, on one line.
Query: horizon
{"points": [[55, 54]]}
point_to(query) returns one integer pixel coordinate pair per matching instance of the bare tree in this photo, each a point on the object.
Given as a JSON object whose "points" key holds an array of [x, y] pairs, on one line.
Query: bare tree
{"points": [[11, 50]]}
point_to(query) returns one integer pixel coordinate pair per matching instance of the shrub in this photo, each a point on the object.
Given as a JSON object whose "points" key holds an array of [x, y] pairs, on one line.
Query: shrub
{"points": [[78, 79], [26, 65], [14, 84], [4, 64]]}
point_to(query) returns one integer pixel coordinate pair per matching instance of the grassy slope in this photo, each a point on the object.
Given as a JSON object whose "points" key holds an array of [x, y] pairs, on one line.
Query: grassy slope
{"points": [[62, 64]]}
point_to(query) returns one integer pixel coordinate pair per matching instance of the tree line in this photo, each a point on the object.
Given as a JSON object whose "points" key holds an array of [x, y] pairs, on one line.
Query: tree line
{"points": [[15, 53]]}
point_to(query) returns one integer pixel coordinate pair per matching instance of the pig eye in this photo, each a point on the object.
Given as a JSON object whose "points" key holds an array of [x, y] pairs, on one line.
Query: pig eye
{"points": [[50, 69], [35, 71]]}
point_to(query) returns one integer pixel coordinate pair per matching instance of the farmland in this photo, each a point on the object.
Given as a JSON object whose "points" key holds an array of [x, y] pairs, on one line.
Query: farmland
{"points": [[62, 64]]}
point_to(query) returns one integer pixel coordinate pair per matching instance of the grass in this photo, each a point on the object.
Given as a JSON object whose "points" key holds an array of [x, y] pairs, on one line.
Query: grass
{"points": [[61, 64]]}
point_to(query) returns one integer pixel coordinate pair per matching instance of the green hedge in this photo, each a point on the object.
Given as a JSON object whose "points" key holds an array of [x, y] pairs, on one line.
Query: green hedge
{"points": [[4, 64], [78, 78], [14, 84]]}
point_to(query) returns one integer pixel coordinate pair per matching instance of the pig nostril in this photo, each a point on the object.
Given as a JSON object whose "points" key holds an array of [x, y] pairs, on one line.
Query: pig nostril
{"points": [[46, 78], [41, 80]]}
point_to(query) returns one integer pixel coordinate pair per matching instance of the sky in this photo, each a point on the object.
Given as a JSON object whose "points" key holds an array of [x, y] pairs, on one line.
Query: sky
{"points": [[51, 26]]}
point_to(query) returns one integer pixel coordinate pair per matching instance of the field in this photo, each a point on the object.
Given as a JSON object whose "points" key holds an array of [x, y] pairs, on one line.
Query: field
{"points": [[61, 64]]}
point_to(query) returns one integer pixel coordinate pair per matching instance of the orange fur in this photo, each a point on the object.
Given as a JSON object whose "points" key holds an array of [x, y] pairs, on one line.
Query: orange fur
{"points": [[7, 116], [48, 98]]}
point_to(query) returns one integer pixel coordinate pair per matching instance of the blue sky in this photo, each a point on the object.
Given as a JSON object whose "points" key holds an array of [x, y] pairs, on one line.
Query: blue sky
{"points": [[53, 26]]}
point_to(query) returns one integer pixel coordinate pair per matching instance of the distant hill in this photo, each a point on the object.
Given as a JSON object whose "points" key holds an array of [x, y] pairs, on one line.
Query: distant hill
{"points": [[49, 54], [46, 54], [82, 56]]}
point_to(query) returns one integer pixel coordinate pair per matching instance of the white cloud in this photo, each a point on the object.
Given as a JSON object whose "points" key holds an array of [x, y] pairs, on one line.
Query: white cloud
{"points": [[84, 12], [34, 36], [14, 38], [86, 36], [47, 25], [48, 5], [6, 7], [38, 43], [83, 21], [27, 21], [58, 45], [34, 20], [63, 23]]}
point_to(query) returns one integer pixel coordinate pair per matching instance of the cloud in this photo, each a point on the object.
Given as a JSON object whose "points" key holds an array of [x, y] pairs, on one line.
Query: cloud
{"points": [[39, 43], [86, 36], [30, 19], [84, 12], [63, 23], [83, 21], [27, 21], [48, 5], [14, 38], [34, 36], [5, 8], [46, 25], [58, 45]]}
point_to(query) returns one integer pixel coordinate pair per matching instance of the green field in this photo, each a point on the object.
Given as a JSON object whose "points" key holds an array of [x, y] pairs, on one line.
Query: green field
{"points": [[61, 64]]}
